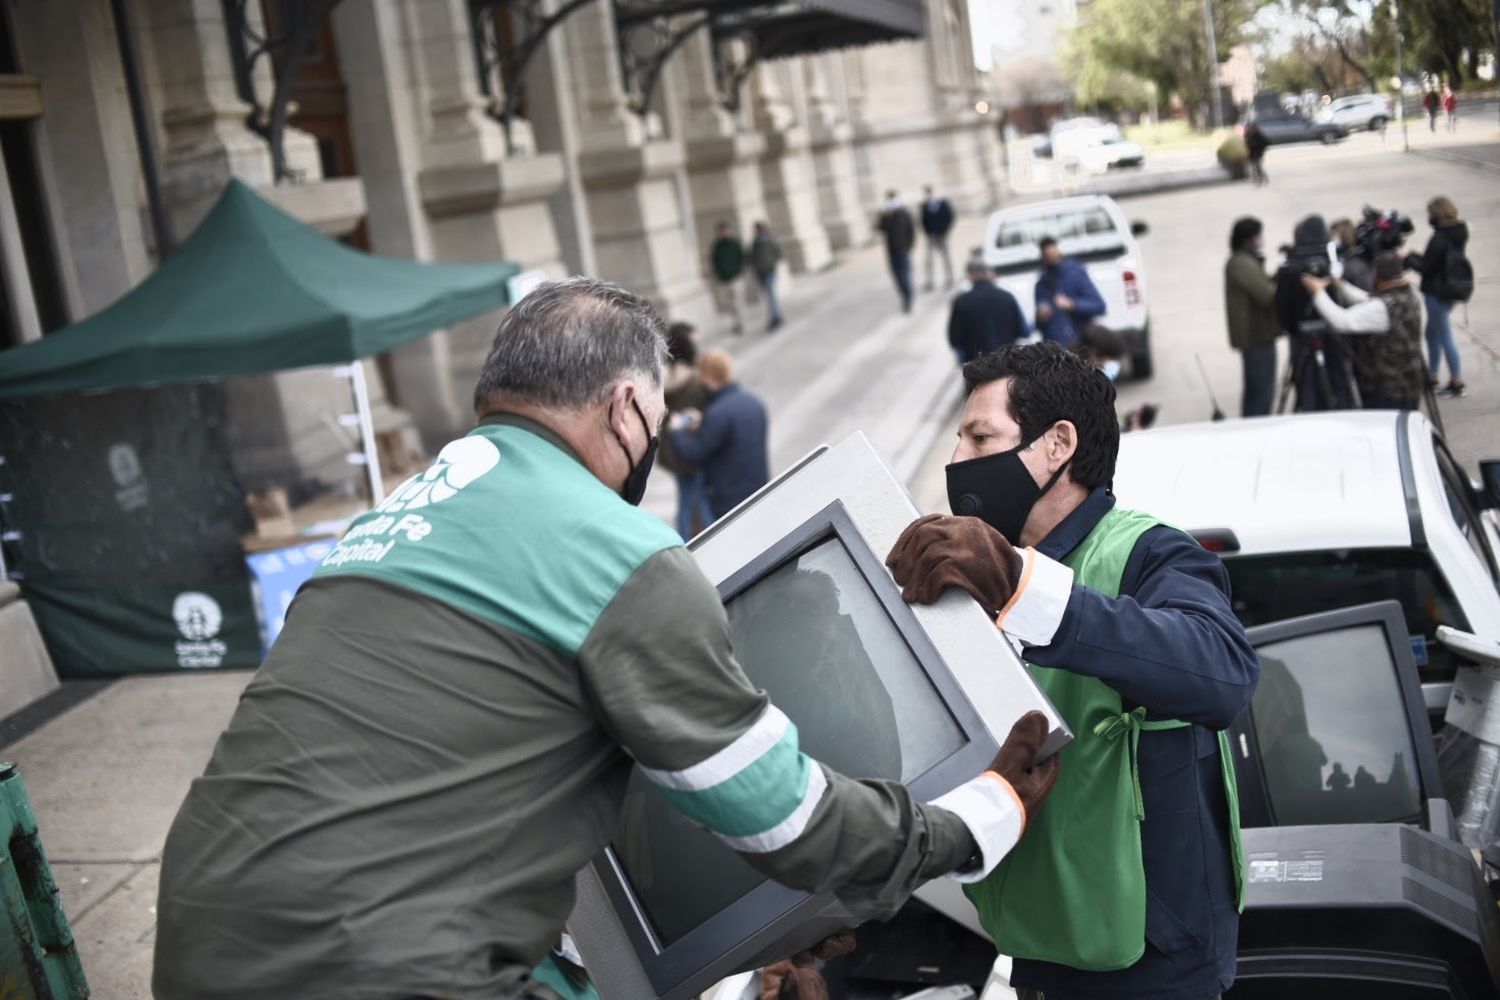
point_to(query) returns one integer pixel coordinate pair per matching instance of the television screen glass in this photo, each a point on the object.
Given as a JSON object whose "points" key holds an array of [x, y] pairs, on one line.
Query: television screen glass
{"points": [[1335, 742], [812, 634]]}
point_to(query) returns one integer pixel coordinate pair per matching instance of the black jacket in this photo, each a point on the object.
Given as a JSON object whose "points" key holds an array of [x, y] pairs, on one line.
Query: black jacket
{"points": [[985, 318], [937, 217], [1433, 262], [899, 232], [730, 446]]}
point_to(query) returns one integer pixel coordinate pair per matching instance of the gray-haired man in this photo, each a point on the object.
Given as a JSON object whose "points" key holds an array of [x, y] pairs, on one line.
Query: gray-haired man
{"points": [[442, 734]]}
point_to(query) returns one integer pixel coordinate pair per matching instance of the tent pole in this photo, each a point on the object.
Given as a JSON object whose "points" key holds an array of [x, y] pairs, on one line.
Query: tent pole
{"points": [[366, 431]]}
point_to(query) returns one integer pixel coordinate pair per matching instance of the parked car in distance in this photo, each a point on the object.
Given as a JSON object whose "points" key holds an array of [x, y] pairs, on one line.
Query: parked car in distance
{"points": [[1110, 154], [1320, 511], [1094, 231], [1072, 135], [1296, 127], [1366, 111]]}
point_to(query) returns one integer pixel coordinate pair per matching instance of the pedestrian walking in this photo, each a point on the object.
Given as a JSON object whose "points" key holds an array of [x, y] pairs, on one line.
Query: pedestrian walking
{"points": [[684, 393], [442, 735], [1255, 148], [728, 439], [765, 255], [985, 318], [900, 235], [937, 222], [1250, 311], [1432, 103], [1450, 105], [1066, 297], [1447, 277], [727, 261]]}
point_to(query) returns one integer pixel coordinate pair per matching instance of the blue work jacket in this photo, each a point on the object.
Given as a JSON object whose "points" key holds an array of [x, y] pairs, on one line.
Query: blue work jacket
{"points": [[1169, 642], [1069, 278], [730, 446]]}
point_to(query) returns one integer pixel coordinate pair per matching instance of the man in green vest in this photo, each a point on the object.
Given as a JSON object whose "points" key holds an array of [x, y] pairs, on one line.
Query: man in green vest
{"points": [[1128, 884], [442, 735]]}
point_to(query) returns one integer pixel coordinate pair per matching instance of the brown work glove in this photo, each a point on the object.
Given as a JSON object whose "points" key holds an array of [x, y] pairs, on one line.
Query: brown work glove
{"points": [[798, 978], [936, 552], [1016, 762]]}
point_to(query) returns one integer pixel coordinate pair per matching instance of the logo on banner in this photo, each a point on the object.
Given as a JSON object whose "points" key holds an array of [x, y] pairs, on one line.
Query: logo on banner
{"points": [[131, 492], [199, 618]]}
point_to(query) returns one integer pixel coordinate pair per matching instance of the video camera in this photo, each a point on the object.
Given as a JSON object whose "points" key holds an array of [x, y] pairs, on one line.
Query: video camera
{"points": [[1379, 232]]}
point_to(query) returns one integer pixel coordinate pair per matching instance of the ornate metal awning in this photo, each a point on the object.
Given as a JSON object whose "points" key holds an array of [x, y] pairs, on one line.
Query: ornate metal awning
{"points": [[806, 26]]}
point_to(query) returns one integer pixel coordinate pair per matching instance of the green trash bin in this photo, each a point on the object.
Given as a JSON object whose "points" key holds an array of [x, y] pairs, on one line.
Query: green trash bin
{"points": [[38, 959]]}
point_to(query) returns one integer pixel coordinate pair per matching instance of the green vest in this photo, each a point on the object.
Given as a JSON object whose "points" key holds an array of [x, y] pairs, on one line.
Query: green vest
{"points": [[1073, 891]]}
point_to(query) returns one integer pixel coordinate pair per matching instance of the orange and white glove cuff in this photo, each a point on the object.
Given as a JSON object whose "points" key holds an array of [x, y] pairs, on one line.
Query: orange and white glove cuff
{"points": [[1035, 611], [992, 811]]}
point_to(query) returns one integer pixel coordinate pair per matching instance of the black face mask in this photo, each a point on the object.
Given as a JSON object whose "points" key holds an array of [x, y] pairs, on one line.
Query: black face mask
{"points": [[998, 489], [634, 490]]}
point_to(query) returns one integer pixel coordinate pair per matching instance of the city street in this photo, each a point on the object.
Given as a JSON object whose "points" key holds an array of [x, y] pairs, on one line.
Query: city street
{"points": [[106, 776]]}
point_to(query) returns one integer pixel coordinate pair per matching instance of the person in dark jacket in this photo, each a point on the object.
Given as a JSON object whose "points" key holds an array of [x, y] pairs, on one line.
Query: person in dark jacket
{"points": [[937, 222], [900, 236], [1129, 609], [765, 255], [1256, 144], [726, 259], [985, 318], [1249, 307], [728, 440], [684, 393], [1066, 298], [1450, 235], [1321, 370], [1433, 104]]}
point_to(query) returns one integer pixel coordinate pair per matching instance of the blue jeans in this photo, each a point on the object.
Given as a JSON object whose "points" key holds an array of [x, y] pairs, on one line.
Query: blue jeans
{"points": [[901, 271], [692, 505], [773, 304], [1260, 380], [1440, 341]]}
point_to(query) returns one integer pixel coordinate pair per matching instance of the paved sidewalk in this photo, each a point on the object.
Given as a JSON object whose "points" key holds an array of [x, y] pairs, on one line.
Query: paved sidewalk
{"points": [[107, 775]]}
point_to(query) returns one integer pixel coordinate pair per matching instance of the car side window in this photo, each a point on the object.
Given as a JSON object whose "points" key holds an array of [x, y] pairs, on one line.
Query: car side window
{"points": [[1456, 489]]}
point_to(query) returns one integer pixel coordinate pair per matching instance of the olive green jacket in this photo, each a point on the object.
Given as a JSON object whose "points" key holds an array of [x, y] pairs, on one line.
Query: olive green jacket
{"points": [[1249, 302]]}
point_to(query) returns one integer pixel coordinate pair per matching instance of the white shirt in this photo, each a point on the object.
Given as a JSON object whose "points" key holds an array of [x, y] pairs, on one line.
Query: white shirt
{"points": [[1365, 313]]}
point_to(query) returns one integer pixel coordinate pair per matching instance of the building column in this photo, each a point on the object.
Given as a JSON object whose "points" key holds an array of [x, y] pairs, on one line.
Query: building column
{"points": [[840, 211], [786, 169], [723, 160], [631, 184]]}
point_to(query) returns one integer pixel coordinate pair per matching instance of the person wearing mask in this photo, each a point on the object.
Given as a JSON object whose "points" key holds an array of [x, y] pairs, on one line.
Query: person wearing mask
{"points": [[984, 318], [1440, 264], [1129, 883], [1319, 360], [1250, 309], [1066, 298], [1386, 330], [442, 736], [765, 256], [685, 392], [729, 439], [1358, 271], [895, 226], [937, 223], [726, 260]]}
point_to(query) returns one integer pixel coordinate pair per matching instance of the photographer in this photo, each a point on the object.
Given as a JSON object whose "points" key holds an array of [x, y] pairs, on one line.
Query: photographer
{"points": [[1319, 361], [1358, 269], [1388, 325]]}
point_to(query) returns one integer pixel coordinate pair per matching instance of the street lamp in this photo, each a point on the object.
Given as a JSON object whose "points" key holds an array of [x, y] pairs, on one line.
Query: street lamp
{"points": [[1213, 62]]}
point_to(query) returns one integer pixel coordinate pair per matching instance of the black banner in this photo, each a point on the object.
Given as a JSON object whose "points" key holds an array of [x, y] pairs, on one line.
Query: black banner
{"points": [[123, 519]]}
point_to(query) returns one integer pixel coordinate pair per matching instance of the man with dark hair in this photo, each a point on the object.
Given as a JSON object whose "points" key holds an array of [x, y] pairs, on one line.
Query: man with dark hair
{"points": [[937, 223], [1067, 300], [900, 235], [726, 259], [443, 733], [1128, 884], [1386, 328], [984, 318], [1250, 308]]}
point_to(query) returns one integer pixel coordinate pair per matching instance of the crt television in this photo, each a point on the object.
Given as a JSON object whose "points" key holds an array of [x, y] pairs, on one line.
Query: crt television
{"points": [[1337, 731], [667, 910]]}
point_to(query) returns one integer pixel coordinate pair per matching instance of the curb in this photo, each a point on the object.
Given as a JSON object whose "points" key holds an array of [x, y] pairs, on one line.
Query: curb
{"points": [[1458, 158]]}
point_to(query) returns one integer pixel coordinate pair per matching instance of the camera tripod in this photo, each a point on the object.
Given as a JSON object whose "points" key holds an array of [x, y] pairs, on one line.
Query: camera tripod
{"points": [[1310, 368]]}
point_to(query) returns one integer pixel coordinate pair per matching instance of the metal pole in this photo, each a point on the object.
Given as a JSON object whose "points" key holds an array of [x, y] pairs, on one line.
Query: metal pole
{"points": [[366, 431], [1401, 77], [1495, 6], [141, 120], [1213, 62]]}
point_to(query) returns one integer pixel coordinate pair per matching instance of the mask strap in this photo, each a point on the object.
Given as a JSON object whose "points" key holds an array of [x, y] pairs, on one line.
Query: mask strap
{"points": [[1060, 469]]}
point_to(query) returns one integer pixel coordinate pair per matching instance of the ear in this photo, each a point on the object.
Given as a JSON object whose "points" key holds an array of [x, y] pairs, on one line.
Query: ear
{"points": [[617, 414], [1062, 443]]}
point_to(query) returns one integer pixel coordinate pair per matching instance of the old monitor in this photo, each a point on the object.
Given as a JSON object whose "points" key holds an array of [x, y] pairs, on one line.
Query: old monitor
{"points": [[877, 688]]}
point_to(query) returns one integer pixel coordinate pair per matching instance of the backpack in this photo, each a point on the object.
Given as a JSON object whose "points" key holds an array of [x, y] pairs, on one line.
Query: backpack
{"points": [[1456, 283]]}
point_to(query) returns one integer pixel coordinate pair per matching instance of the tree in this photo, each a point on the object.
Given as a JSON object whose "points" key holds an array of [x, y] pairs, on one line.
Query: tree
{"points": [[1159, 42], [1345, 27], [1445, 37]]}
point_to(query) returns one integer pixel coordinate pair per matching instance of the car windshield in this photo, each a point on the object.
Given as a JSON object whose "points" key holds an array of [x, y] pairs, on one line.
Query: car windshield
{"points": [[1288, 585], [1060, 225]]}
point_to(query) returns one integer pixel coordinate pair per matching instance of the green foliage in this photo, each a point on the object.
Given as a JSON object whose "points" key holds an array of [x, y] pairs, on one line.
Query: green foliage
{"points": [[1445, 37], [1118, 45]]}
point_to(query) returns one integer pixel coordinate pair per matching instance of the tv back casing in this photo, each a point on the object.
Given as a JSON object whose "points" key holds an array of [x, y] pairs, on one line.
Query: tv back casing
{"points": [[850, 484]]}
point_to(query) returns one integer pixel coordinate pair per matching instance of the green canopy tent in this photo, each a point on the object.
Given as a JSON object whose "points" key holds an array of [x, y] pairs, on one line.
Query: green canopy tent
{"points": [[252, 291]]}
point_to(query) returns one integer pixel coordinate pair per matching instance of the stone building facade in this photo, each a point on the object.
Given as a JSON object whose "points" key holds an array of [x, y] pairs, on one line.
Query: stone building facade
{"points": [[393, 146]]}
